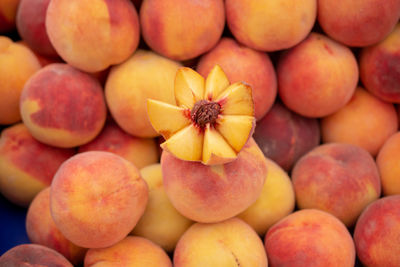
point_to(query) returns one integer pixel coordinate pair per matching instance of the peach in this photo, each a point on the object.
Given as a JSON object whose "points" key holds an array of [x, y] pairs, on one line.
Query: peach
{"points": [[17, 65], [358, 22], [362, 116], [144, 75], [270, 25], [132, 251], [33, 255], [93, 35], [309, 238], [8, 13], [97, 198], [284, 136], [182, 29], [341, 179], [377, 233], [139, 151], [379, 69], [214, 193], [317, 77], [30, 21], [241, 63], [388, 160], [62, 106], [42, 230], [26, 165], [161, 222], [211, 121], [228, 243], [276, 201]]}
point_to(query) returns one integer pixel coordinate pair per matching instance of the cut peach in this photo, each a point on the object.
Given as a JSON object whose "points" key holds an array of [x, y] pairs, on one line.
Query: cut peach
{"points": [[212, 121]]}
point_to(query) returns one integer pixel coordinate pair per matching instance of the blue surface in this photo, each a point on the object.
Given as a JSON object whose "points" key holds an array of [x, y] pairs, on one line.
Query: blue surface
{"points": [[12, 225]]}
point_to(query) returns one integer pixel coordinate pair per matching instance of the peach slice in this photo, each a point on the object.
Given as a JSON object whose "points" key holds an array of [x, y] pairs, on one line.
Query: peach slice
{"points": [[212, 121]]}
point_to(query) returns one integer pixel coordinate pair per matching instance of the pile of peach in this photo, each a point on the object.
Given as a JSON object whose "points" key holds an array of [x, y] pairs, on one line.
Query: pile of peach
{"points": [[317, 182]]}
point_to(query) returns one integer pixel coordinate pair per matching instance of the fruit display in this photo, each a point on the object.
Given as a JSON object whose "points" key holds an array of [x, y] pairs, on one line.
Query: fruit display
{"points": [[210, 133]]}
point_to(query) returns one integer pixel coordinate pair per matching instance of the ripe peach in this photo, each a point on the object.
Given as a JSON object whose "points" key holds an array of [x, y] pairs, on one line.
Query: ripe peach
{"points": [[214, 193], [62, 106], [388, 160], [8, 13], [379, 69], [26, 165], [276, 201], [358, 22], [30, 21], [161, 222], [354, 123], [139, 151], [317, 77], [212, 120], [284, 136], [33, 255], [20, 63], [97, 198], [144, 75], [132, 251], [182, 29], [228, 243], [243, 64], [309, 238], [377, 233], [341, 179], [93, 35], [42, 230], [270, 25]]}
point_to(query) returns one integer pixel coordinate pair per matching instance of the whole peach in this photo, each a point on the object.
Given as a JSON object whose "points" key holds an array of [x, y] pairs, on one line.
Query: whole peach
{"points": [[31, 27], [92, 35], [277, 200], [284, 136], [97, 198], [388, 160], [241, 63], [182, 29], [42, 230], [17, 65], [309, 238], [160, 222], [270, 25], [377, 233], [341, 179], [132, 251], [33, 255], [62, 106], [317, 77], [228, 243], [144, 75], [26, 165], [379, 67], [358, 22], [362, 116]]}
